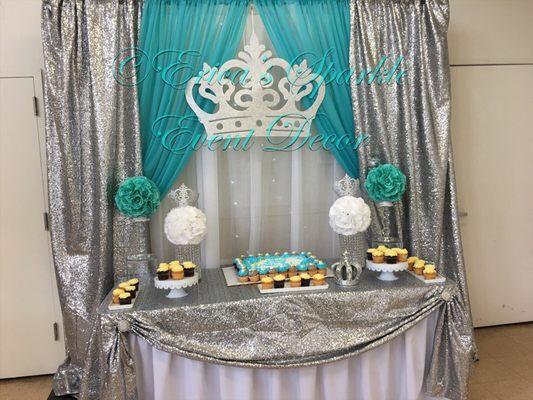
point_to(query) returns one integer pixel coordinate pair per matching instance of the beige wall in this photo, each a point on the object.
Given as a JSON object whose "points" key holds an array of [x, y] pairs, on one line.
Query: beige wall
{"points": [[492, 118], [20, 37]]}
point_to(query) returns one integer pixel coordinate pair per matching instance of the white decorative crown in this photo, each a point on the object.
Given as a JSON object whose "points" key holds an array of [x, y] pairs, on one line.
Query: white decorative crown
{"points": [[183, 196], [247, 96], [346, 186]]}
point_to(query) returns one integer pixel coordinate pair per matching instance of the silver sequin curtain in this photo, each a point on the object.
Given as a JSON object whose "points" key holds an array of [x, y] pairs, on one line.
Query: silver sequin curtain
{"points": [[93, 143], [409, 126]]}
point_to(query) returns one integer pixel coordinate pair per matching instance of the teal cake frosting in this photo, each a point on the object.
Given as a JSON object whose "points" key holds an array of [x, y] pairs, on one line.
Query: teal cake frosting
{"points": [[264, 263]]}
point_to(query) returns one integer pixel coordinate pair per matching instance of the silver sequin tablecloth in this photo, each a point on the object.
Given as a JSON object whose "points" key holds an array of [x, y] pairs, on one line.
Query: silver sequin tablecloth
{"points": [[239, 326]]}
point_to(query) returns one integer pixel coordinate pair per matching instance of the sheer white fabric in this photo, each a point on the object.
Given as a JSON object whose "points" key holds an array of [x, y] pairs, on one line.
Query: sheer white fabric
{"points": [[258, 201], [392, 371]]}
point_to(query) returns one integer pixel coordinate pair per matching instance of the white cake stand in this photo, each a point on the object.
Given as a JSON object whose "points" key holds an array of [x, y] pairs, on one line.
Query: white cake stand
{"points": [[176, 286], [387, 270]]}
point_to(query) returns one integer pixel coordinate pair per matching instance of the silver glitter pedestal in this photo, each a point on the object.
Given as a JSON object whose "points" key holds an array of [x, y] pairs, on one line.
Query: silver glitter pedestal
{"points": [[139, 260], [190, 252], [354, 247], [386, 232]]}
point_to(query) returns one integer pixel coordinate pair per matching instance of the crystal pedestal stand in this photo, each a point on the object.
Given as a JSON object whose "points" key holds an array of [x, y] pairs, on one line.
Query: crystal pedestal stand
{"points": [[176, 287], [354, 247], [387, 233], [190, 252], [139, 260]]}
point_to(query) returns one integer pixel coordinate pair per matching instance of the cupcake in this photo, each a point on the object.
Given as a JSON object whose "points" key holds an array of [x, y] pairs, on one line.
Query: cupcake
{"points": [[322, 268], [188, 268], [267, 282], [382, 248], [253, 276], [279, 281], [243, 275], [312, 268], [318, 279], [429, 271], [391, 257], [418, 267], [284, 270], [411, 262], [402, 255], [131, 290], [123, 285], [305, 279], [163, 272], [302, 268], [295, 281], [174, 263], [124, 298], [134, 282], [176, 272], [293, 270], [263, 271], [116, 294], [272, 272], [369, 253], [378, 256]]}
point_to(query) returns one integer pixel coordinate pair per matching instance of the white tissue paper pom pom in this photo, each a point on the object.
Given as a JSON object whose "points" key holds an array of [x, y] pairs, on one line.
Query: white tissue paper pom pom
{"points": [[349, 215], [185, 225]]}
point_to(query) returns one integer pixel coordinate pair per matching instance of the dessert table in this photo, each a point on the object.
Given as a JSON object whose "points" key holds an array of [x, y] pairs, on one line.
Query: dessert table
{"points": [[233, 342]]}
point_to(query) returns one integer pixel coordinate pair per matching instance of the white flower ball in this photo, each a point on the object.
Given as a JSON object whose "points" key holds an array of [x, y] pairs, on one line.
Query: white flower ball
{"points": [[349, 215], [185, 225]]}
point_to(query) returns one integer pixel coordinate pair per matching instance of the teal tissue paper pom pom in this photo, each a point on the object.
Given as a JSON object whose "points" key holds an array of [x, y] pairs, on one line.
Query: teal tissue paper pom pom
{"points": [[137, 197], [385, 183]]}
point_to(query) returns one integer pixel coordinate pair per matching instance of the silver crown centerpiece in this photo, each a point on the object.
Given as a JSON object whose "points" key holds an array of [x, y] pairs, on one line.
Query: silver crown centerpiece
{"points": [[347, 186], [346, 272], [184, 196], [249, 95]]}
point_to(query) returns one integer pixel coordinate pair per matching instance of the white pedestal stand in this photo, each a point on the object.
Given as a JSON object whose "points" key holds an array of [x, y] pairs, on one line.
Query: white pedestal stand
{"points": [[387, 270], [176, 286]]}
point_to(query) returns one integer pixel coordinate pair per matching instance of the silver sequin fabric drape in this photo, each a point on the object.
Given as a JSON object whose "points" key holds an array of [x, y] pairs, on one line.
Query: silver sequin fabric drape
{"points": [[92, 136], [409, 126], [238, 326]]}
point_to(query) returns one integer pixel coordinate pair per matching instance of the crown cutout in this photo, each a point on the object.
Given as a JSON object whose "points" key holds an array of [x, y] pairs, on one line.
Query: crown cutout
{"points": [[257, 100], [346, 186]]}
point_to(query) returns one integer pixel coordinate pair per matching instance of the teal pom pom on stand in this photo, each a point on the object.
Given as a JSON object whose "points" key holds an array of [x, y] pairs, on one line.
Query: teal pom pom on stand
{"points": [[385, 183], [137, 197]]}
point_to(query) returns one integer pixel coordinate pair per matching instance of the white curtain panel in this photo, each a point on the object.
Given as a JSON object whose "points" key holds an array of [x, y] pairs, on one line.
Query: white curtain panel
{"points": [[392, 371], [258, 201]]}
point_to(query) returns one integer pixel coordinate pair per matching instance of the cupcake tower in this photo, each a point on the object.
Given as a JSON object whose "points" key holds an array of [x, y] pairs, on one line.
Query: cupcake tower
{"points": [[175, 270], [273, 270], [125, 292], [383, 254], [176, 276]]}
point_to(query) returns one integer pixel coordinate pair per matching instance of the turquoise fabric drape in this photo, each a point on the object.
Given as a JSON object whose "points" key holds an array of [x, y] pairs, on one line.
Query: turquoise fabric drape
{"points": [[316, 26], [211, 29]]}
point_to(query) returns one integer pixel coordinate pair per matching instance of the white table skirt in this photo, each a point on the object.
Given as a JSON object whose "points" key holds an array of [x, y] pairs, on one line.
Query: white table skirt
{"points": [[392, 371]]}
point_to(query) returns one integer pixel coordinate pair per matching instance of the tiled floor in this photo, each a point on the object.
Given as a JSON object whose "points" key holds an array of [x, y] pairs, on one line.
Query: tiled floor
{"points": [[34, 388], [505, 371]]}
